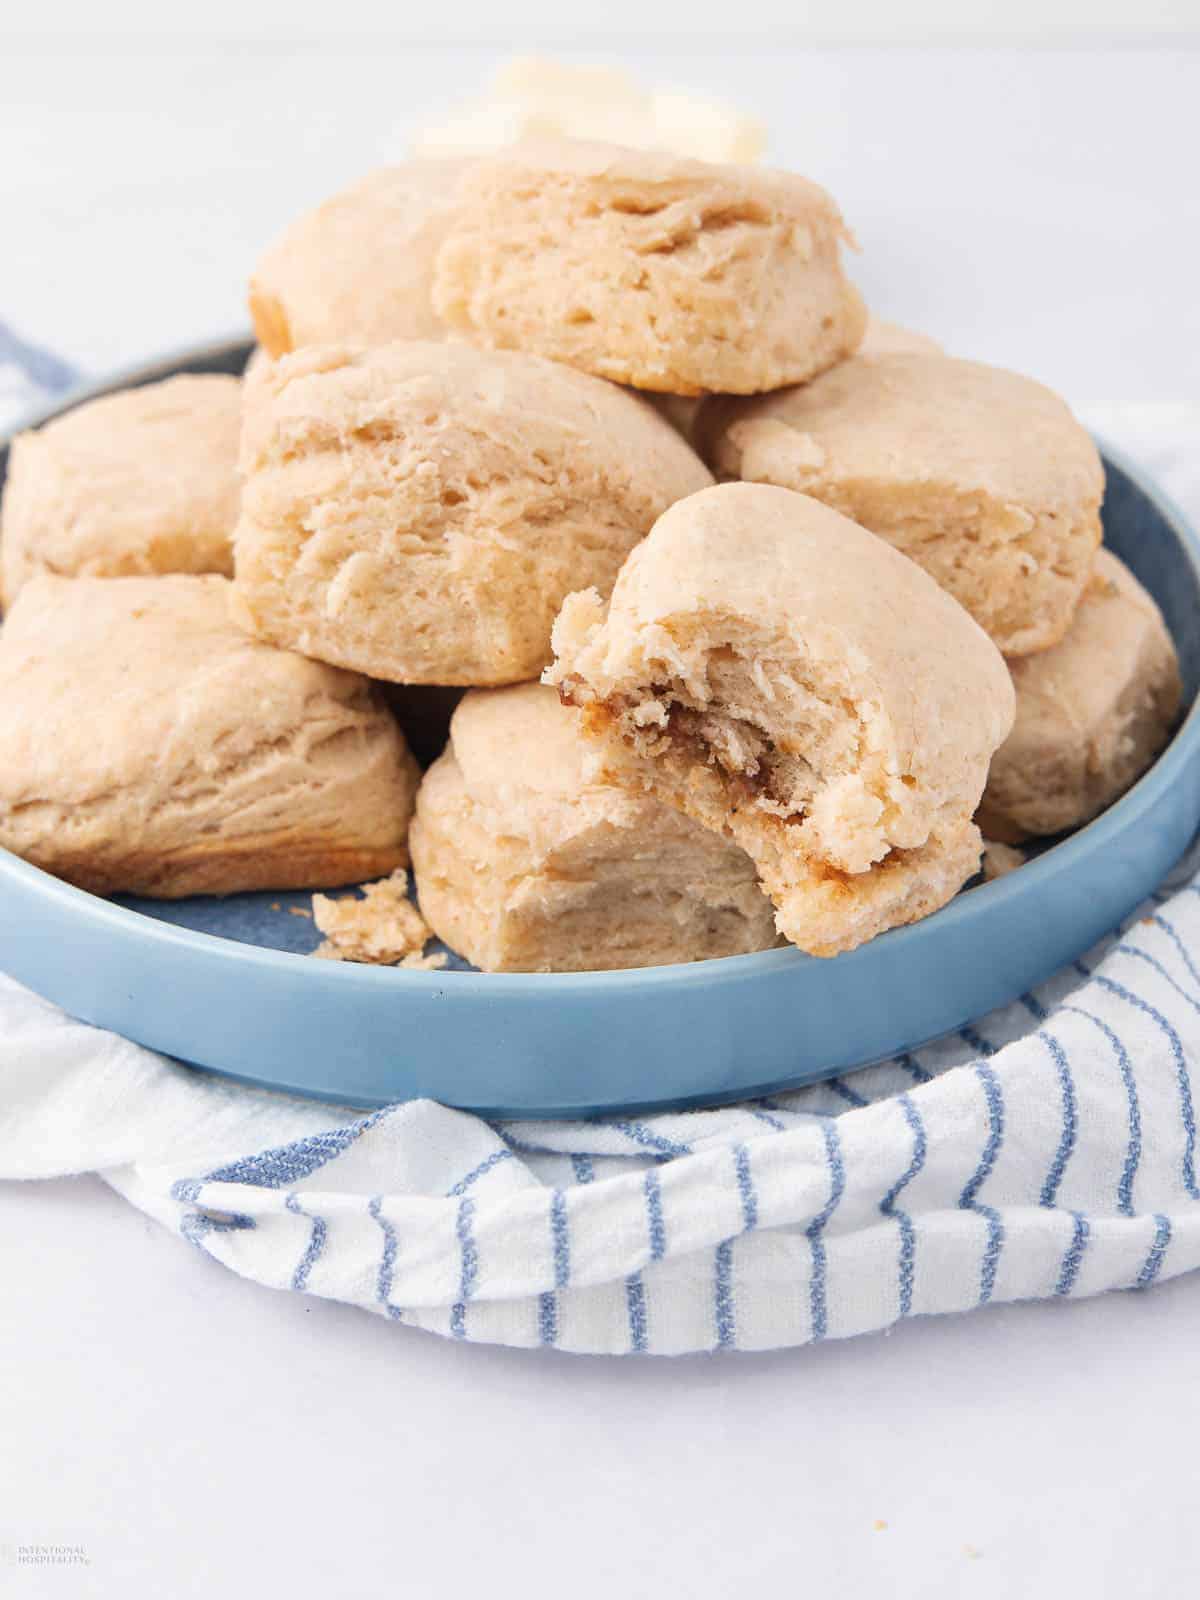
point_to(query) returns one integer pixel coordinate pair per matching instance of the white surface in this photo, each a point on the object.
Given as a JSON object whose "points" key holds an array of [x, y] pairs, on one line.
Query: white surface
{"points": [[199, 1434], [202, 1436], [1030, 209], [682, 21]]}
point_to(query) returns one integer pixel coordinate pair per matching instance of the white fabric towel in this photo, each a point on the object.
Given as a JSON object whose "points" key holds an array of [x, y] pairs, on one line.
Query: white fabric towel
{"points": [[1048, 1151]]}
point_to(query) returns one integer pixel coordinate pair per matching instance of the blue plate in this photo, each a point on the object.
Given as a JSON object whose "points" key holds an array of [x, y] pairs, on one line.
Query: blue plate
{"points": [[226, 985]]}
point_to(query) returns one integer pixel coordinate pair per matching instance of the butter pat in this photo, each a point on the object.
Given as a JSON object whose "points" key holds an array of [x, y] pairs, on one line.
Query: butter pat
{"points": [[532, 98]]}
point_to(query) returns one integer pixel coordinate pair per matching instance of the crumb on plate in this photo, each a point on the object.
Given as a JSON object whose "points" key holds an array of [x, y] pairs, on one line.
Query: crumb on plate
{"points": [[383, 927]]}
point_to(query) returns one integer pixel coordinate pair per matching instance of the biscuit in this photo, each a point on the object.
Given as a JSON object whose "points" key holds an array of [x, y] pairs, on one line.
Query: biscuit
{"points": [[140, 482], [418, 511], [360, 267], [650, 269], [256, 363], [881, 338], [524, 863], [890, 339], [148, 746], [980, 475], [1092, 713], [999, 860], [795, 684]]}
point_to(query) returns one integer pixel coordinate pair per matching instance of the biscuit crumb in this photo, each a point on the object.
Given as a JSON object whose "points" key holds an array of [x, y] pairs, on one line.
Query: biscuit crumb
{"points": [[879, 1525], [383, 928], [299, 911], [275, 906]]}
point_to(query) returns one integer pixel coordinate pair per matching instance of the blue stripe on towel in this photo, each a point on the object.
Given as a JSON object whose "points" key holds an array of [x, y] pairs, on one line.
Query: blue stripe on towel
{"points": [[469, 1271], [548, 1318], [908, 1233], [561, 1235], [288, 1163], [42, 367], [1152, 961], [766, 1116], [818, 1305], [1133, 1151], [655, 1226], [548, 1301], [387, 1261], [316, 1242], [724, 1310], [976, 1041], [195, 1226], [912, 1065], [846, 1093], [1066, 1143], [1154, 1261], [635, 1305], [723, 1306], [649, 1140], [1181, 1074], [745, 1183], [1034, 1007], [969, 1198], [1074, 1256], [484, 1167], [1168, 928], [526, 1147]]}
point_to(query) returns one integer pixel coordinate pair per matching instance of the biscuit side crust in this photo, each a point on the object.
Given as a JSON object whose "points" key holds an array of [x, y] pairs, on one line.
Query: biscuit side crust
{"points": [[149, 747], [1092, 714], [607, 897], [285, 860], [672, 276]]}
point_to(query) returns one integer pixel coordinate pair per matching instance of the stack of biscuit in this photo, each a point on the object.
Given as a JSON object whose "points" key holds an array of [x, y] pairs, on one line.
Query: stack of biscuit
{"points": [[760, 606]]}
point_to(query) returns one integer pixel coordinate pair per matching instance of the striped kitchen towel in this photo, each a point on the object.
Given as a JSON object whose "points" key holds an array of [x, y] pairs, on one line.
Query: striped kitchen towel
{"points": [[30, 377], [1048, 1151]]}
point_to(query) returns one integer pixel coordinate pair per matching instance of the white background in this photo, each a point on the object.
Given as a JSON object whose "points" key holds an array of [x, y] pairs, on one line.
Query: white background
{"points": [[1038, 209], [1033, 207]]}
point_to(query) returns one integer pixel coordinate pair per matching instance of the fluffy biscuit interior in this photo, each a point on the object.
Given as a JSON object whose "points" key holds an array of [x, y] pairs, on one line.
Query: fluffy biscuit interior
{"points": [[760, 742]]}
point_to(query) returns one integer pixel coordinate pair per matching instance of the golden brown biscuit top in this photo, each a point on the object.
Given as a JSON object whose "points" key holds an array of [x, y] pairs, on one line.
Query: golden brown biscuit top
{"points": [[1075, 683], [651, 179], [913, 418], [359, 265], [486, 404], [525, 762], [182, 432], [520, 736]]}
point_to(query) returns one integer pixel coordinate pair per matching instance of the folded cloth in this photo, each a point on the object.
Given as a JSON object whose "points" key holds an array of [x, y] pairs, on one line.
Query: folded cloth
{"points": [[1050, 1150], [29, 377]]}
